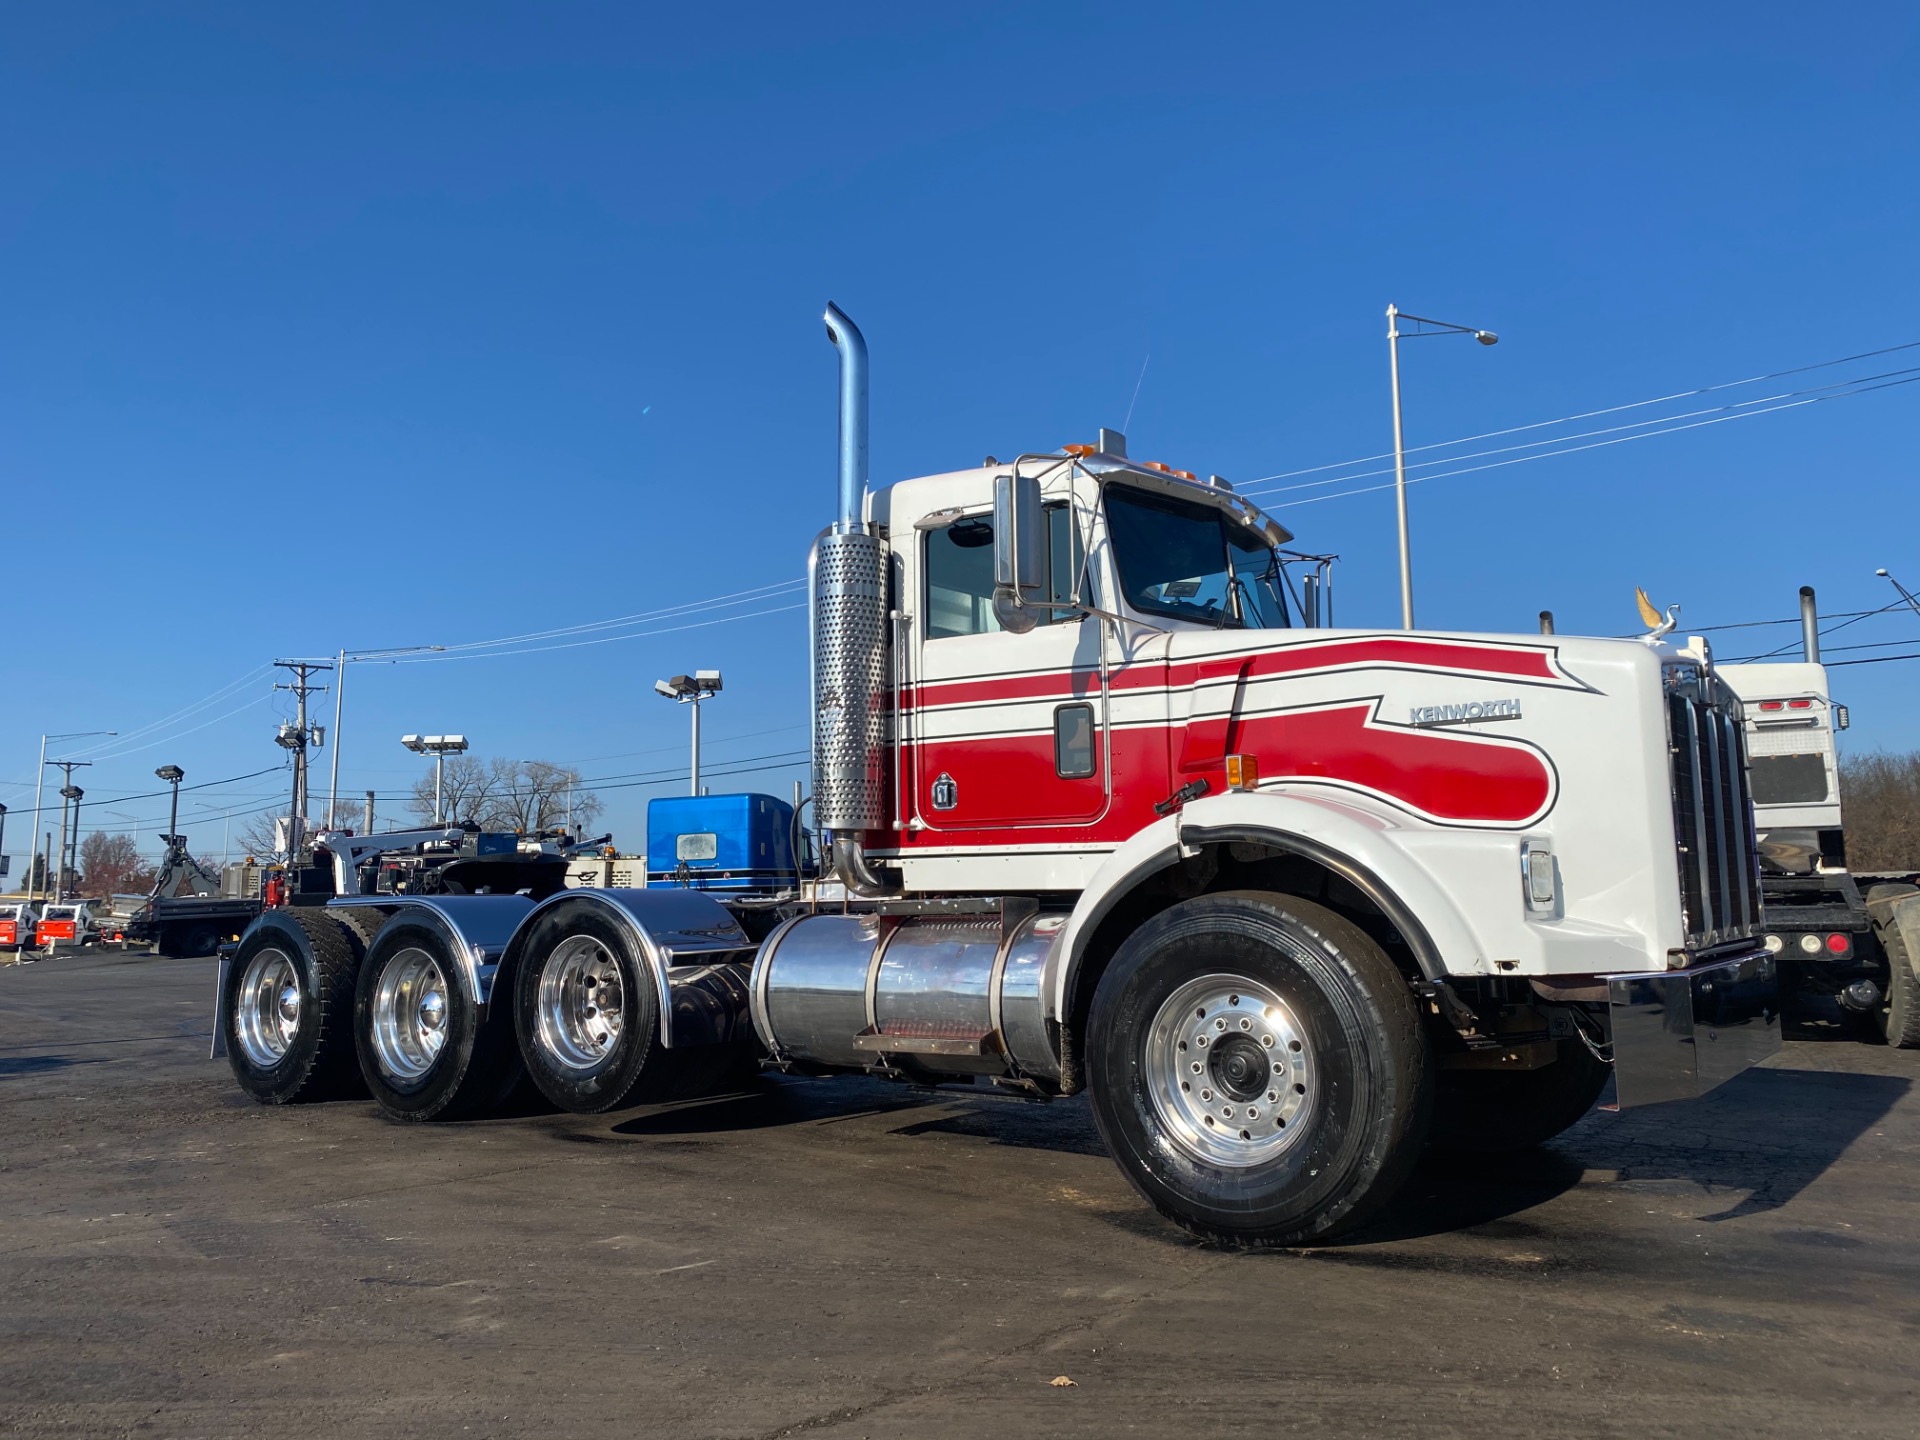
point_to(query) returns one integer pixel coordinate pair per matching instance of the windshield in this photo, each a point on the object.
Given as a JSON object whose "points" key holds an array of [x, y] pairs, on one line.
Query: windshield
{"points": [[1188, 561]]}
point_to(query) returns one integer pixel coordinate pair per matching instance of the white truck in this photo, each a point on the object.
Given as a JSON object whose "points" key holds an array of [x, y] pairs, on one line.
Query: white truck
{"points": [[1104, 815], [1847, 943]]}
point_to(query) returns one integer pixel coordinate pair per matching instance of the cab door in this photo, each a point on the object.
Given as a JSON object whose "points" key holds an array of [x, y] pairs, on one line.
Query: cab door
{"points": [[1006, 731]]}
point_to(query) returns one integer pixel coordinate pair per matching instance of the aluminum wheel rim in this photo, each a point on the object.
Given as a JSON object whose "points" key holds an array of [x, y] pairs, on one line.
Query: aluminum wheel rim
{"points": [[1230, 1071], [410, 1014], [582, 1003], [266, 1008]]}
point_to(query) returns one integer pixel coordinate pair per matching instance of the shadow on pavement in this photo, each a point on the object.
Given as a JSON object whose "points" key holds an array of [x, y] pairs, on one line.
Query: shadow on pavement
{"points": [[1769, 1133], [12, 1065]]}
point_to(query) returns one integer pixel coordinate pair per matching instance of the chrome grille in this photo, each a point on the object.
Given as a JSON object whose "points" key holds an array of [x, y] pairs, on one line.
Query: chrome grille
{"points": [[1712, 809], [851, 701]]}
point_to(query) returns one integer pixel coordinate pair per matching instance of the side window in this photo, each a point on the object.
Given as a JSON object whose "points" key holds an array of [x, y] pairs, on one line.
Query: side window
{"points": [[959, 565], [1073, 742], [960, 578]]}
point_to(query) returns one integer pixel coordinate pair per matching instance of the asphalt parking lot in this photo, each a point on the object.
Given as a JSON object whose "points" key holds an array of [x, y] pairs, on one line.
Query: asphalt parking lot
{"points": [[847, 1258]]}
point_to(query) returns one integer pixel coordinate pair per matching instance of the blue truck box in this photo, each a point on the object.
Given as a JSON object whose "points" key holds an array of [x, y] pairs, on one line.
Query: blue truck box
{"points": [[720, 842]]}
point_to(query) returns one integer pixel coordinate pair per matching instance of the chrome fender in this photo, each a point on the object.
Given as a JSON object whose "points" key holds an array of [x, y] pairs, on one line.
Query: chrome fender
{"points": [[687, 940], [1349, 838], [477, 928]]}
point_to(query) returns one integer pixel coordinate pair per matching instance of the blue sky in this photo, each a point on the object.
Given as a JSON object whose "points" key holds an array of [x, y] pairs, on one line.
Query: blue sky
{"points": [[374, 325]]}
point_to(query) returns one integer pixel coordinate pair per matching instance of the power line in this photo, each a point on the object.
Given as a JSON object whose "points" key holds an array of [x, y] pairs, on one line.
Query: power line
{"points": [[1665, 421], [107, 747], [1593, 414], [716, 602], [1596, 445], [604, 639], [1875, 659]]}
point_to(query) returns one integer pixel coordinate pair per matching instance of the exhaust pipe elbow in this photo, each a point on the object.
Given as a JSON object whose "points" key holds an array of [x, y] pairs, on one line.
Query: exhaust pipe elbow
{"points": [[851, 869], [852, 346]]}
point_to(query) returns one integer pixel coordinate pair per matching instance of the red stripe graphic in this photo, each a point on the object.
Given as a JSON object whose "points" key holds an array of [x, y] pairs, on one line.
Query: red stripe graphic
{"points": [[1443, 657], [1440, 774]]}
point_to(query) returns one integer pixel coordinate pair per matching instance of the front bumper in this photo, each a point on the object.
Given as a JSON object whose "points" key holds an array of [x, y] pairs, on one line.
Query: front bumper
{"points": [[1678, 1035]]}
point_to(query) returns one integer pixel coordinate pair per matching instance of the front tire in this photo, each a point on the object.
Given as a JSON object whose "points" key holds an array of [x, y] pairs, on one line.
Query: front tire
{"points": [[287, 1008], [425, 1050], [1258, 1069]]}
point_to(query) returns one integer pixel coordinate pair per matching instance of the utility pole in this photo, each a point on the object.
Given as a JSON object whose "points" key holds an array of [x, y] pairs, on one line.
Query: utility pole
{"points": [[369, 829], [70, 794], [299, 737]]}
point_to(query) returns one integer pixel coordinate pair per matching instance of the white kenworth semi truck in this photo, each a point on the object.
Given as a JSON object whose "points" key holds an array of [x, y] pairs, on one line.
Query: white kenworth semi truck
{"points": [[1103, 815]]}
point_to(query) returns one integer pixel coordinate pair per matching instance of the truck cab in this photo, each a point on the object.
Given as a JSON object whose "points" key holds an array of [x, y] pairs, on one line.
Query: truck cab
{"points": [[1791, 723]]}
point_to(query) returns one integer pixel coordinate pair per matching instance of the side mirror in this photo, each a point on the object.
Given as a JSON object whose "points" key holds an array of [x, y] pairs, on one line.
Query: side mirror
{"points": [[1019, 575], [1840, 717]]}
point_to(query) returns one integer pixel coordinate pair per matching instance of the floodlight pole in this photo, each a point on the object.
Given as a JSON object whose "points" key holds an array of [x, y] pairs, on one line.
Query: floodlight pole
{"points": [[1434, 327]]}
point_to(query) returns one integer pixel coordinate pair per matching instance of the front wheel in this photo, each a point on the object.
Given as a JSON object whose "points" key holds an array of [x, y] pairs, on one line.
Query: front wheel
{"points": [[1258, 1069]]}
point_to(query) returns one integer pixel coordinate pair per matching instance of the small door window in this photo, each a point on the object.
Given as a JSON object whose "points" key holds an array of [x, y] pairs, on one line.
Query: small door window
{"points": [[1073, 742], [959, 564]]}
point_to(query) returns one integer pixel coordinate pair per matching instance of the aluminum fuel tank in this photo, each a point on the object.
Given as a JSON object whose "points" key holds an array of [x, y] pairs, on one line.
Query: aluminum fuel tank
{"points": [[957, 995]]}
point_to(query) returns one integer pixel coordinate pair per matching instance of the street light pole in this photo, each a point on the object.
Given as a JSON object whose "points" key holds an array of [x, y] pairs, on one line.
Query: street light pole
{"points": [[1432, 327], [339, 703], [39, 776], [173, 775], [438, 746], [1400, 472], [691, 690]]}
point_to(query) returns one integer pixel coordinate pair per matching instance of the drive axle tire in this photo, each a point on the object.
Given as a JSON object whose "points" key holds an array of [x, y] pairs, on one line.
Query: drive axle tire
{"points": [[425, 1049], [1503, 1112], [587, 1013], [287, 1008], [1258, 1069], [1898, 1018]]}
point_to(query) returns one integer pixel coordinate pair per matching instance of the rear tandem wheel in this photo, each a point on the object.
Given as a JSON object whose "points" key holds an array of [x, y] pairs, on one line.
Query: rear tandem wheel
{"points": [[287, 1008]]}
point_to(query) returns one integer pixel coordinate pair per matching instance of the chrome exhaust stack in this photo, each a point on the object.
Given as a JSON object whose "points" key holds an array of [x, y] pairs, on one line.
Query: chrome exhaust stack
{"points": [[851, 715]]}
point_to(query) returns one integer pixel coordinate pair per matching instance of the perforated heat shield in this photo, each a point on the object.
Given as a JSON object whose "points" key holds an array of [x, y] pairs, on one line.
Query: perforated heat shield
{"points": [[850, 727]]}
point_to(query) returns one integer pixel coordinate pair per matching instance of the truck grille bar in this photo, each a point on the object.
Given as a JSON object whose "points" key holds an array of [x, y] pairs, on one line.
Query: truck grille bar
{"points": [[1712, 810]]}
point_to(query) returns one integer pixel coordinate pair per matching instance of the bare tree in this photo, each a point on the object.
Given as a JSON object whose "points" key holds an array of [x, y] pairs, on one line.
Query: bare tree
{"points": [[468, 786], [522, 795], [1880, 807], [539, 795], [112, 865]]}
